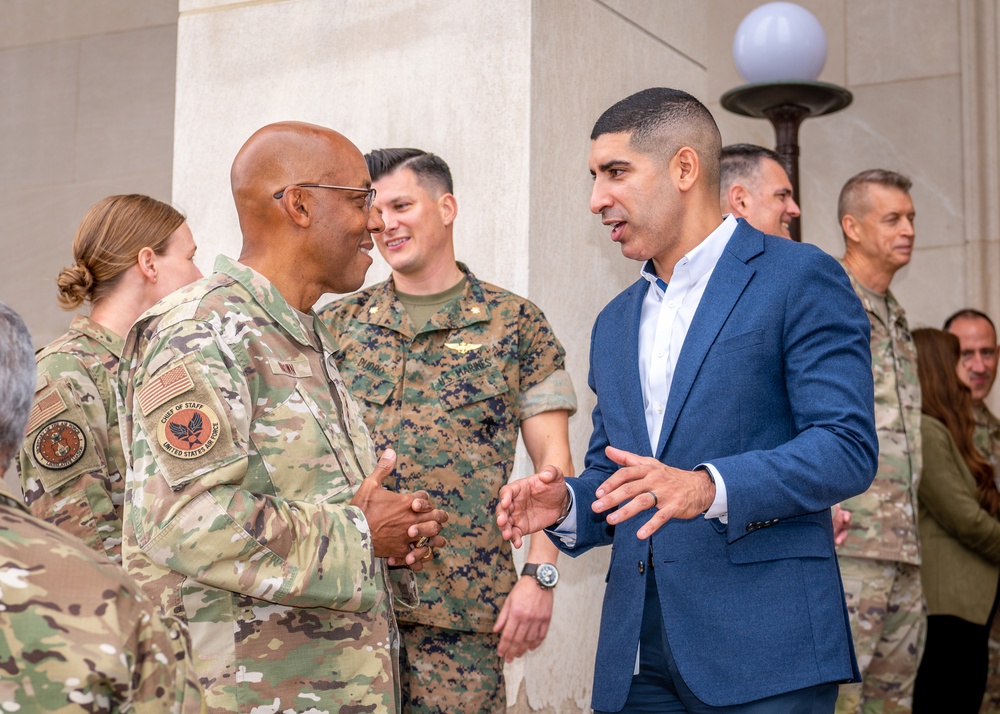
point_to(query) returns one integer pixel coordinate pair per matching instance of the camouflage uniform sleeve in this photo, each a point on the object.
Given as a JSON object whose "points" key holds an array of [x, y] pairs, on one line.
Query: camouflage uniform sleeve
{"points": [[202, 503], [78, 635], [553, 393], [545, 383], [63, 464]]}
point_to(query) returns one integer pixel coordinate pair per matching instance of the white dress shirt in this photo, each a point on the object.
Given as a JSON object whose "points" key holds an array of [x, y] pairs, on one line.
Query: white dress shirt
{"points": [[667, 312]]}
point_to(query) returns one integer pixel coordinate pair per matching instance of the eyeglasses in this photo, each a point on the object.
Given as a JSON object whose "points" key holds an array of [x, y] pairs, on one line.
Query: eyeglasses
{"points": [[369, 197]]}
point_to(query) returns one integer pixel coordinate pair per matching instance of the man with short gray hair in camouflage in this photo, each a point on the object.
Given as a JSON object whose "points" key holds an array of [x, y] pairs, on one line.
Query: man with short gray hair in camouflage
{"points": [[76, 635], [449, 368], [248, 513], [880, 555]]}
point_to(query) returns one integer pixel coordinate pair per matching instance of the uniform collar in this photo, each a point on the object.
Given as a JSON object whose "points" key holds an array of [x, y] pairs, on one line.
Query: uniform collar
{"points": [[268, 297], [384, 309], [98, 333], [896, 311]]}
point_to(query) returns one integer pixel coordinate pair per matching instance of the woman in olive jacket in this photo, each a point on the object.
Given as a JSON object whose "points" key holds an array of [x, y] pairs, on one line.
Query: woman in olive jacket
{"points": [[959, 535]]}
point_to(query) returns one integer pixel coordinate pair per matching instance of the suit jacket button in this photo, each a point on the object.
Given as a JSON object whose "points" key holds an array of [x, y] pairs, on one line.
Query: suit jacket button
{"points": [[642, 567]]}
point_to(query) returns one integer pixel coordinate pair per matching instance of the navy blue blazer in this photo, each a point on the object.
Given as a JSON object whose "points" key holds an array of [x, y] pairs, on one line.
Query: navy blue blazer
{"points": [[774, 387]]}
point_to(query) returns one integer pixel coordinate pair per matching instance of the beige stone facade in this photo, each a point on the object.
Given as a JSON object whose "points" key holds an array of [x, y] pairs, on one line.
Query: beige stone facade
{"points": [[107, 96]]}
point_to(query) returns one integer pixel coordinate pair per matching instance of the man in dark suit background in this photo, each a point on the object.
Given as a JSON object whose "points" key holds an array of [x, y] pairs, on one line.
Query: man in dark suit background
{"points": [[734, 408]]}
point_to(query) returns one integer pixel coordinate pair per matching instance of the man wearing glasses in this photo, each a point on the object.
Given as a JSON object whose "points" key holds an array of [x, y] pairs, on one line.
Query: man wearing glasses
{"points": [[249, 514], [977, 337], [448, 368]]}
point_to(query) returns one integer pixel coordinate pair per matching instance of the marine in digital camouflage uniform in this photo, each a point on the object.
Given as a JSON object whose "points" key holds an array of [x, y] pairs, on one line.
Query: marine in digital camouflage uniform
{"points": [[71, 464], [447, 383], [247, 452], [880, 556]]}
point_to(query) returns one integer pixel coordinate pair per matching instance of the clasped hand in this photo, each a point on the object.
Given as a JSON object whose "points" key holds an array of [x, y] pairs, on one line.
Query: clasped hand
{"points": [[642, 482], [405, 527]]}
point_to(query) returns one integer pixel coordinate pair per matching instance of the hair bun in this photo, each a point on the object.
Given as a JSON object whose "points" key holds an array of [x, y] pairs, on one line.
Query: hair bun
{"points": [[75, 284]]}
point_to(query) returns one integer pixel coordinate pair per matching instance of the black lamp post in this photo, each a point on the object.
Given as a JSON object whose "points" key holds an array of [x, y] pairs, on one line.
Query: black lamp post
{"points": [[786, 105]]}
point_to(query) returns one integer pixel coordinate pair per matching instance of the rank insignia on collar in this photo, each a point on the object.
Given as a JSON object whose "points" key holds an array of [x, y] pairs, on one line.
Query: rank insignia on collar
{"points": [[373, 310], [461, 347], [474, 310]]}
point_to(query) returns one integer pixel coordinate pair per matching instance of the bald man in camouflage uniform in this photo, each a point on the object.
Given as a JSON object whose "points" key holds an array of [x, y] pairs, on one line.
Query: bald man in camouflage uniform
{"points": [[449, 368], [248, 514], [76, 635], [880, 556], [71, 464]]}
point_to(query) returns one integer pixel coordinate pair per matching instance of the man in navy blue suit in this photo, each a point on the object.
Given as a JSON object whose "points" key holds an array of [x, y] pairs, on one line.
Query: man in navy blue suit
{"points": [[734, 408]]}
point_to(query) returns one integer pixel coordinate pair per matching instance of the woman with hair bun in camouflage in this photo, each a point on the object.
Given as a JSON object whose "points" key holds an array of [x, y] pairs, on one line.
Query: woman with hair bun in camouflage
{"points": [[129, 252]]}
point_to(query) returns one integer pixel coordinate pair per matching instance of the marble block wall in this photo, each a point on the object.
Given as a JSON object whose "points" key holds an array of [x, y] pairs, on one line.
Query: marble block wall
{"points": [[87, 90]]}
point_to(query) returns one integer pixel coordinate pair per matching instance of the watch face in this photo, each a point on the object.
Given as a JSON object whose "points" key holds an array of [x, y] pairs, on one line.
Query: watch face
{"points": [[547, 575]]}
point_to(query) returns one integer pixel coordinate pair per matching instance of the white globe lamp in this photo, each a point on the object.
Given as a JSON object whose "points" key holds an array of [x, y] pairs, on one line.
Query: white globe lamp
{"points": [[778, 42]]}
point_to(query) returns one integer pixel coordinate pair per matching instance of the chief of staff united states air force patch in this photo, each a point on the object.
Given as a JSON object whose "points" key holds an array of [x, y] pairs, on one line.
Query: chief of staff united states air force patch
{"points": [[188, 430]]}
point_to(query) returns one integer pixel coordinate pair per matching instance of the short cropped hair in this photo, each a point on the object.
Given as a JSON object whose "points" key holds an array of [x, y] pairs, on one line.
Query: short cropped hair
{"points": [[740, 163], [854, 195], [17, 382], [969, 313], [431, 170], [660, 121]]}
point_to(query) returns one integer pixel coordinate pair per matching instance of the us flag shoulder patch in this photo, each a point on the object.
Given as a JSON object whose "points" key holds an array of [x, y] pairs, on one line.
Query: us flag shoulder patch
{"points": [[44, 409], [174, 381]]}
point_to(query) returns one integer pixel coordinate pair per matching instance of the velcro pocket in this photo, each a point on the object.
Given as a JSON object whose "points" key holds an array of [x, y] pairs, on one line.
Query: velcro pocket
{"points": [[185, 422], [60, 442]]}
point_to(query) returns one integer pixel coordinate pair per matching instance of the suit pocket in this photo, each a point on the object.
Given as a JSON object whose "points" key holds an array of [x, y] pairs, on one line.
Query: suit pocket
{"points": [[787, 539], [738, 342]]}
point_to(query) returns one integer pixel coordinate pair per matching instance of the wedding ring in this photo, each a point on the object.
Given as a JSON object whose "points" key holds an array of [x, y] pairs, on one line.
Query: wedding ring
{"points": [[655, 499], [422, 543], [430, 554]]}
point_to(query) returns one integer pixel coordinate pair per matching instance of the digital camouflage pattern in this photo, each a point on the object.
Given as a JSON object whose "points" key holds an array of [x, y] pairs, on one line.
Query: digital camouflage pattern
{"points": [[451, 671], [889, 635], [450, 400], [71, 464], [246, 451], [76, 635], [884, 518]]}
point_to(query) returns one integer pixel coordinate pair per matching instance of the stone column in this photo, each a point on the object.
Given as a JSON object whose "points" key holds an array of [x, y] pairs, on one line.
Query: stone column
{"points": [[507, 92]]}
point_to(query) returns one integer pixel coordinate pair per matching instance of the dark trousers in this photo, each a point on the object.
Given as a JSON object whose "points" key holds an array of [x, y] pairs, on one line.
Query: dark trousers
{"points": [[952, 674], [659, 688]]}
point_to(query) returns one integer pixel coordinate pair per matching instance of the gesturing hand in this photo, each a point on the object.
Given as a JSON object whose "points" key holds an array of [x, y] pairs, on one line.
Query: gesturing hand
{"points": [[646, 483], [399, 520], [531, 504]]}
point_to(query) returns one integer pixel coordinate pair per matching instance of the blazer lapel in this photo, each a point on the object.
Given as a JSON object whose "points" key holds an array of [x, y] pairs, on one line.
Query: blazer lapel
{"points": [[728, 281], [622, 345]]}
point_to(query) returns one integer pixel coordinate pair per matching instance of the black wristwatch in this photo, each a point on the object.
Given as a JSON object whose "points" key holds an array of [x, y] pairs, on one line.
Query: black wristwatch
{"points": [[545, 574]]}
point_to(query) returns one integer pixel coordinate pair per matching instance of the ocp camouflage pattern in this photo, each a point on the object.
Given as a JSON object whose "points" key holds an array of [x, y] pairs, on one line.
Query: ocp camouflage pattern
{"points": [[450, 399], [883, 518], [246, 451], [82, 495], [76, 635], [987, 436]]}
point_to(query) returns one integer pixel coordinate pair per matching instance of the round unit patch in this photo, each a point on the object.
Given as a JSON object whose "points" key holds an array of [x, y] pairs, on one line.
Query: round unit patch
{"points": [[60, 445], [188, 430]]}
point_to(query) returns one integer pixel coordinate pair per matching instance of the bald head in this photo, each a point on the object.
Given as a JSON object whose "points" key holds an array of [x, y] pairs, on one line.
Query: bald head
{"points": [[285, 153]]}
